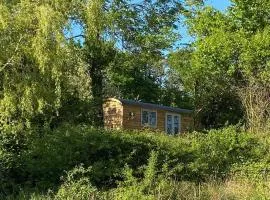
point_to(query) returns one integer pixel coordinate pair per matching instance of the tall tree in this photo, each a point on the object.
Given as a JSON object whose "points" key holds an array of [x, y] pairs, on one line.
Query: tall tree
{"points": [[35, 61], [41, 67], [231, 51], [138, 32]]}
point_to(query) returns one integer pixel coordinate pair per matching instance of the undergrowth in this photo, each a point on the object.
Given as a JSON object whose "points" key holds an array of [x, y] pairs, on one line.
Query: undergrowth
{"points": [[79, 162]]}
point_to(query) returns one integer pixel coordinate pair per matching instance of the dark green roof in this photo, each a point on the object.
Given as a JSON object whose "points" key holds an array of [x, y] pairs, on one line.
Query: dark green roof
{"points": [[155, 106]]}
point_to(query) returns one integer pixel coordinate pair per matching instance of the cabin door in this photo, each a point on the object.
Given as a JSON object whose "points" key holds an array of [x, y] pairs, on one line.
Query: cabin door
{"points": [[173, 124]]}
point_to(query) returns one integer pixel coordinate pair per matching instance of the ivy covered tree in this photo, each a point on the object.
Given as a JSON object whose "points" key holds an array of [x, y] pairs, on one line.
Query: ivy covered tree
{"points": [[123, 43]]}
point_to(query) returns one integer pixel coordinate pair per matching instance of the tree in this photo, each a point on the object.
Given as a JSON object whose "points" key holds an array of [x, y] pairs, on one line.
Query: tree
{"points": [[137, 33], [44, 66], [36, 62], [230, 52]]}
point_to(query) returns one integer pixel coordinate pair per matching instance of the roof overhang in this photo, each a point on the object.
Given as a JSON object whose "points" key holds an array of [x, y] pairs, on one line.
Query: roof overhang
{"points": [[155, 106]]}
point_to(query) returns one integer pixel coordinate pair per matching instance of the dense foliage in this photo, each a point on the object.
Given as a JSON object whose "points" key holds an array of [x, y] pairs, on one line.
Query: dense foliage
{"points": [[228, 59], [59, 59], [57, 53], [101, 157]]}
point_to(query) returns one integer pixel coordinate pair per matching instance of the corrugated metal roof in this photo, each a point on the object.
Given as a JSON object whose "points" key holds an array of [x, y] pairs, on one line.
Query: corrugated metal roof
{"points": [[155, 106]]}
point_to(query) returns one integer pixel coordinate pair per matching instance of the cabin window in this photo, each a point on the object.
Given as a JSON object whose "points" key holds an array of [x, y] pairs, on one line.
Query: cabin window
{"points": [[172, 123], [149, 118]]}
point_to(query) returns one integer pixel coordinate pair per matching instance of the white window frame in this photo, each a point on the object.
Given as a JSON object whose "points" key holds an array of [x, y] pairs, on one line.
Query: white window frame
{"points": [[179, 118], [148, 125]]}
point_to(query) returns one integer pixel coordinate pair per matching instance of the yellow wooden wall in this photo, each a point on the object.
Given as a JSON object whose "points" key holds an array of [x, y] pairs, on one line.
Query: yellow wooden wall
{"points": [[134, 122], [117, 116], [131, 122], [187, 122]]}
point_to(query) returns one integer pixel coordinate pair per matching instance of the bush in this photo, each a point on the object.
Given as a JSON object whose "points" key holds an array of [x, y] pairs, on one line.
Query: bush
{"points": [[256, 171], [195, 157], [13, 144], [77, 186], [151, 186], [218, 150]]}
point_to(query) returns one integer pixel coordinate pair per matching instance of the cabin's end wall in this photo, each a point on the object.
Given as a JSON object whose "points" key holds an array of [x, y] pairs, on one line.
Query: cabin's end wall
{"points": [[113, 114]]}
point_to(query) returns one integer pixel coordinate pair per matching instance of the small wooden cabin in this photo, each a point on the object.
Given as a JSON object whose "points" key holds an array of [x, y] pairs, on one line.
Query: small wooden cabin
{"points": [[128, 114]]}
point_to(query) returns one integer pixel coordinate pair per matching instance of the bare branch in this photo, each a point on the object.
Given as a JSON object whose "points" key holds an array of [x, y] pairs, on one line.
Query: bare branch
{"points": [[76, 36]]}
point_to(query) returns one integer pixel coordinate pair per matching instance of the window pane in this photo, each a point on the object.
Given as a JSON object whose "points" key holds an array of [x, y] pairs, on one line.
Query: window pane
{"points": [[176, 119], [144, 117], [169, 124], [176, 124], [169, 119], [153, 118]]}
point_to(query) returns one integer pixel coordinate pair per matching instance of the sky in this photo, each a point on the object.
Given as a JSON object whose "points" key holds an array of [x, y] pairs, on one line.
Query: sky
{"points": [[219, 4]]}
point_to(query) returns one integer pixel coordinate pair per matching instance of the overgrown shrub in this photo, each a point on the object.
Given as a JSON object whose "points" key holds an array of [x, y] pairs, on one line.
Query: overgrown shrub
{"points": [[216, 151], [77, 186], [256, 171], [13, 144], [194, 157]]}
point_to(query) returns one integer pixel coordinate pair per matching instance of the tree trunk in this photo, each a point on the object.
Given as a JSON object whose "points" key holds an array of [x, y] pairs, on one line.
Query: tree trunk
{"points": [[197, 123], [96, 76], [99, 55]]}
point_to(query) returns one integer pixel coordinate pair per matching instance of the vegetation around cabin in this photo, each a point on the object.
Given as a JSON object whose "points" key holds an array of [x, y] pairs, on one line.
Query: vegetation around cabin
{"points": [[60, 59], [79, 162]]}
